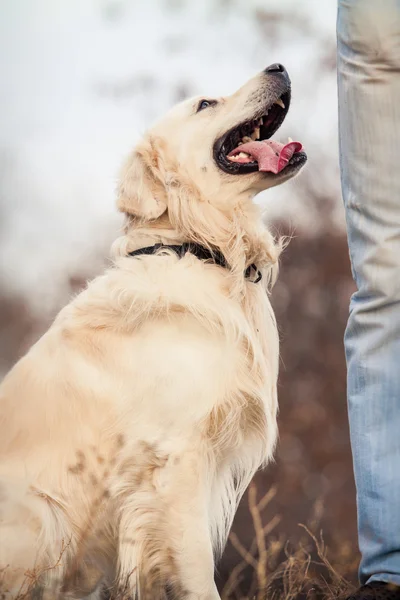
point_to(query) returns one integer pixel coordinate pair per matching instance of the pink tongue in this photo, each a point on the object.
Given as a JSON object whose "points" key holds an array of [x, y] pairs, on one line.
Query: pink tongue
{"points": [[271, 156]]}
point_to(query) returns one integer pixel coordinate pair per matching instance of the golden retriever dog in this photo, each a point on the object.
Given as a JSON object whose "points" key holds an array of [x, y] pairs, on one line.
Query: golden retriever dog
{"points": [[131, 429]]}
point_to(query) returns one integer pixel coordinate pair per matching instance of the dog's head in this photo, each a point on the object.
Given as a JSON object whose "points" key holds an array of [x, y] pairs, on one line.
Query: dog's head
{"points": [[193, 176], [220, 148]]}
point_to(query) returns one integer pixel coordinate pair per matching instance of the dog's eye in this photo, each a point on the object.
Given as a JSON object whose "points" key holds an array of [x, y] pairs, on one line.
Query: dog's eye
{"points": [[205, 104]]}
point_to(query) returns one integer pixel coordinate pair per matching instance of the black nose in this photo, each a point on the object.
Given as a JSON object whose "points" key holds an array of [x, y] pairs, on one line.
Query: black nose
{"points": [[275, 68]]}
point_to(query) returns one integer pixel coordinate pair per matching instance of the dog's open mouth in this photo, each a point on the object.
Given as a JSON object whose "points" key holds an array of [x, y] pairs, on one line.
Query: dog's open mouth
{"points": [[248, 148]]}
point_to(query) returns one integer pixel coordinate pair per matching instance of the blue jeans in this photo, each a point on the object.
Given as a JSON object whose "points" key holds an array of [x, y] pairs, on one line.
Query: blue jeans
{"points": [[369, 131]]}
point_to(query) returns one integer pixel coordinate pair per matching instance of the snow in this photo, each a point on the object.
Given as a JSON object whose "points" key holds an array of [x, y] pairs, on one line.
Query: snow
{"points": [[81, 81]]}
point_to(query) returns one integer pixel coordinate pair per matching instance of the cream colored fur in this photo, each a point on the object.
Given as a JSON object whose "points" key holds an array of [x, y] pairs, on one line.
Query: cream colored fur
{"points": [[131, 429]]}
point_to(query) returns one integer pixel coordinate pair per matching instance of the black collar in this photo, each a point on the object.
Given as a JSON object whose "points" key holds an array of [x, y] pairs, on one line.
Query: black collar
{"points": [[200, 252]]}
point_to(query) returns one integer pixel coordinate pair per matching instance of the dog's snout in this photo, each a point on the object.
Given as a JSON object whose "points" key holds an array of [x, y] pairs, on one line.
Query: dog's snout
{"points": [[275, 68], [278, 72]]}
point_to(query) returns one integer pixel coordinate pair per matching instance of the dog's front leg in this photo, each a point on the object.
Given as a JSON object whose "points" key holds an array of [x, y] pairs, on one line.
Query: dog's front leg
{"points": [[164, 529], [184, 485]]}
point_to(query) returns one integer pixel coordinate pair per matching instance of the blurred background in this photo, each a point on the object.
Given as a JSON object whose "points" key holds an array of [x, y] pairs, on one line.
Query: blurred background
{"points": [[80, 81]]}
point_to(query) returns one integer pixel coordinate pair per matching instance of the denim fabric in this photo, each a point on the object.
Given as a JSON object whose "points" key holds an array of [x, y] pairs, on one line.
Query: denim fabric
{"points": [[368, 33]]}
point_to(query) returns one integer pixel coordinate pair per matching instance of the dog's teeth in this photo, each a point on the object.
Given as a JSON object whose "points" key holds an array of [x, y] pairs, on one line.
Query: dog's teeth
{"points": [[246, 139], [239, 155], [240, 143], [260, 122], [280, 103], [289, 140], [256, 134]]}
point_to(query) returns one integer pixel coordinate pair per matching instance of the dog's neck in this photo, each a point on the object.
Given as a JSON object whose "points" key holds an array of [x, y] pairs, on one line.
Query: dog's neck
{"points": [[139, 233], [251, 243]]}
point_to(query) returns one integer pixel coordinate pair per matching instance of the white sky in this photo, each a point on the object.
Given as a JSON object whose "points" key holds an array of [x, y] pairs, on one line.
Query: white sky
{"points": [[81, 80]]}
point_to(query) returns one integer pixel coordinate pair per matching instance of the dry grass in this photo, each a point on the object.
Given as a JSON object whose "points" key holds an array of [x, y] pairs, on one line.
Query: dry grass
{"points": [[273, 569], [270, 569]]}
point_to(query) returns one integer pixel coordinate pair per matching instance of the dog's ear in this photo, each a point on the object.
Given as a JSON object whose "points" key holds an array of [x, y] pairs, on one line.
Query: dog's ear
{"points": [[140, 191]]}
